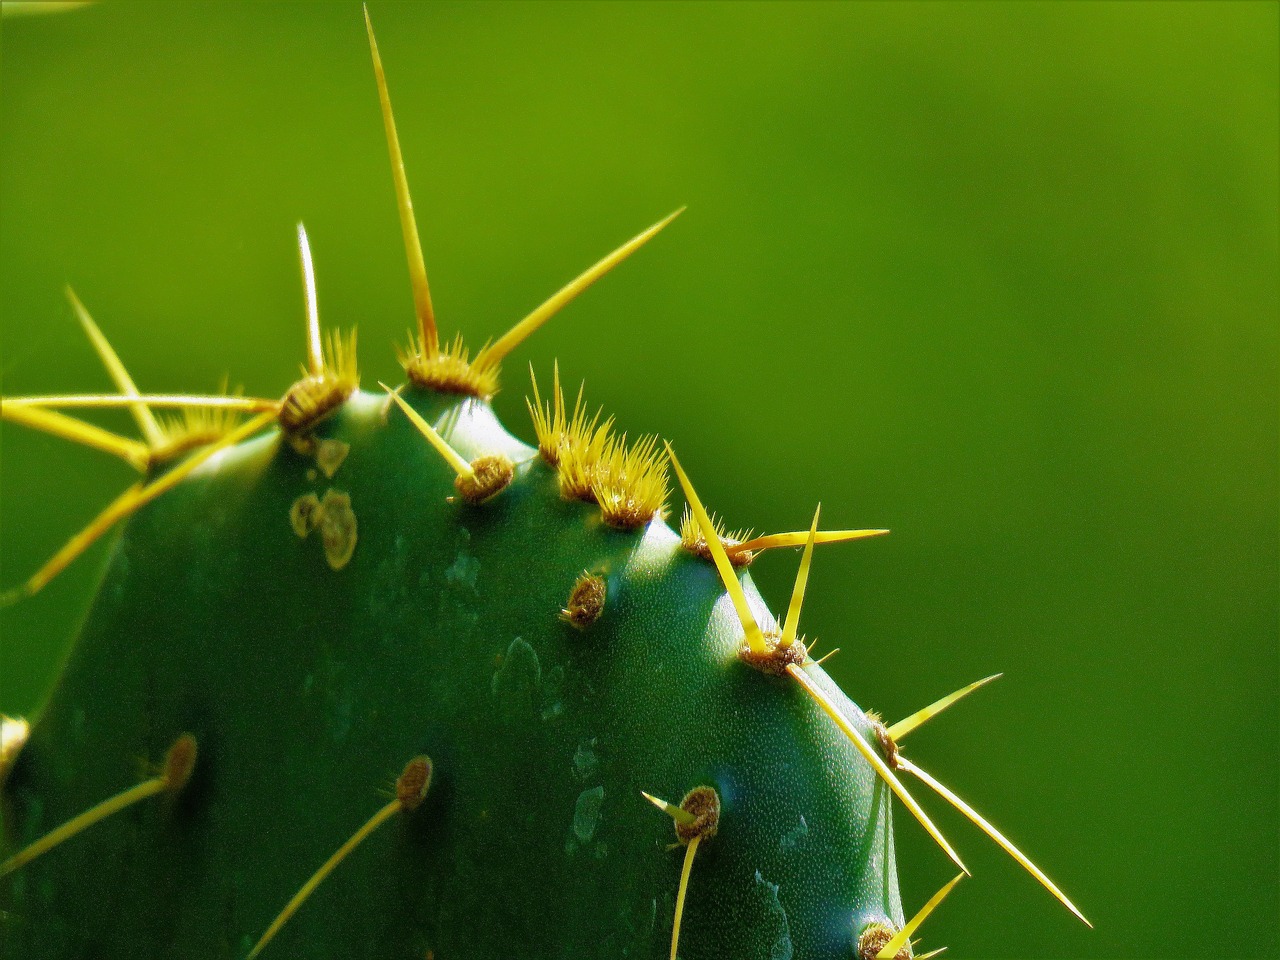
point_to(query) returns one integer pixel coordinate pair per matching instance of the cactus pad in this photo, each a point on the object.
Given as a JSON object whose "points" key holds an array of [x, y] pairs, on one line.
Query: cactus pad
{"points": [[414, 687]]}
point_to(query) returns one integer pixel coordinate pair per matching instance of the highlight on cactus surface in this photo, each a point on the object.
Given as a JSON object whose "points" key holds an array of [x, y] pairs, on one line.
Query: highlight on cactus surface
{"points": [[519, 613]]}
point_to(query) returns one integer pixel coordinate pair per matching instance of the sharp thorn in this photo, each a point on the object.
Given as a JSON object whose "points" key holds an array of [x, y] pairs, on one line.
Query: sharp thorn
{"points": [[985, 826], [146, 420], [411, 790], [174, 400], [678, 814], [798, 538], [377, 820], [451, 456], [689, 853], [177, 771], [755, 639], [906, 725], [430, 338], [792, 623], [873, 758], [315, 346], [130, 502], [890, 949], [136, 454], [494, 354]]}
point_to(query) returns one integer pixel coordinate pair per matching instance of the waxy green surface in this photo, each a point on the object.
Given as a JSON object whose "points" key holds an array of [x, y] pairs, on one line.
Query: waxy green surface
{"points": [[308, 688]]}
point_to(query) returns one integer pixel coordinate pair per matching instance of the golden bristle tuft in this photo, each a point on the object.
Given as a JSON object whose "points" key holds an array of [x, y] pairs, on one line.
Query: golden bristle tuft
{"points": [[595, 466], [448, 369], [631, 483], [194, 427], [584, 448], [691, 539], [544, 418], [550, 421], [315, 396], [340, 359]]}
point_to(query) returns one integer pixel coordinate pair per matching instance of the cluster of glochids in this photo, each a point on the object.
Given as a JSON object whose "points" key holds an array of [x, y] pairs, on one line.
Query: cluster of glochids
{"points": [[627, 481]]}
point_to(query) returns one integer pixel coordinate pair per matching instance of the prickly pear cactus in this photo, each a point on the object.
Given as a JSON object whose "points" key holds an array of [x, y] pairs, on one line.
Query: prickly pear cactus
{"points": [[407, 686]]}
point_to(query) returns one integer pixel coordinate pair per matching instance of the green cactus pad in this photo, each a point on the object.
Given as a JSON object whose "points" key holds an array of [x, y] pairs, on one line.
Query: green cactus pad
{"points": [[309, 687], [424, 691]]}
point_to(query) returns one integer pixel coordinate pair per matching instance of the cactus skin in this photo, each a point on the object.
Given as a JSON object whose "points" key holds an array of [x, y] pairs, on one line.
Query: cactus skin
{"points": [[290, 618], [308, 688]]}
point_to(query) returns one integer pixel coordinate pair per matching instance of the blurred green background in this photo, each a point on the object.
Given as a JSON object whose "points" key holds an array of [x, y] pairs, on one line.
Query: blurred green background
{"points": [[1001, 277]]}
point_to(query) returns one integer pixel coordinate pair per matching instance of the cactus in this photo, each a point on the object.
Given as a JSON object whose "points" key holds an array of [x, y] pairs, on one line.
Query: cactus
{"points": [[593, 736]]}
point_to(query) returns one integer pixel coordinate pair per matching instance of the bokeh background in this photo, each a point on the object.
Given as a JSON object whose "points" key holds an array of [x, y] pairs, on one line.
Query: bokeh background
{"points": [[1001, 277]]}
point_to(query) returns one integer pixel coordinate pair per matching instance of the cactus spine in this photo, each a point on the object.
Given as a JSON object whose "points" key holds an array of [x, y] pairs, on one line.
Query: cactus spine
{"points": [[353, 584]]}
